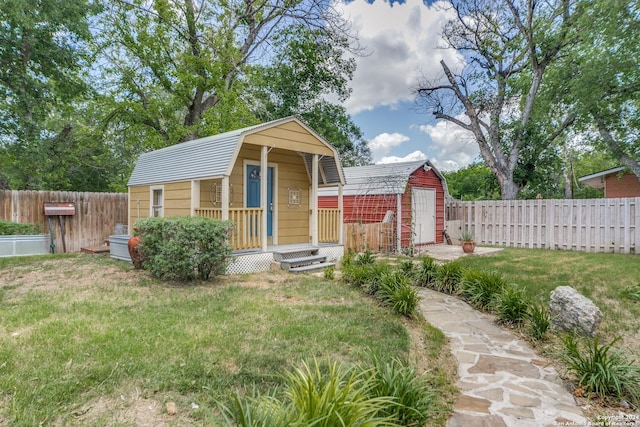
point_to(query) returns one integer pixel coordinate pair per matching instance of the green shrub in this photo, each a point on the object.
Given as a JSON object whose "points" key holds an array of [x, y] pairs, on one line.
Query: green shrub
{"points": [[448, 278], [632, 292], [411, 392], [329, 273], [8, 228], [602, 370], [539, 321], [264, 411], [184, 248], [395, 290], [480, 287], [511, 305], [426, 273]]}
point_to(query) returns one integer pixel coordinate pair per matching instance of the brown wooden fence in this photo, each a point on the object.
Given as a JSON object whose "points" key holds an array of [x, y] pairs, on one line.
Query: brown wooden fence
{"points": [[377, 237], [590, 225], [97, 215]]}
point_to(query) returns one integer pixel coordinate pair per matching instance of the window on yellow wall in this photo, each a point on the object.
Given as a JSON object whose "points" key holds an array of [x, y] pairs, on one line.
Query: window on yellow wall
{"points": [[156, 202]]}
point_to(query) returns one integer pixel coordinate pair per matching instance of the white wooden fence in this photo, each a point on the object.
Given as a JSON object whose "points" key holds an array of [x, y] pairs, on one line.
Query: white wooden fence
{"points": [[589, 225]]}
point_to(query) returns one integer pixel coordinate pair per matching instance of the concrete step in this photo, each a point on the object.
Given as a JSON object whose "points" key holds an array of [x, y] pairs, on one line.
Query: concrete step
{"points": [[288, 264], [284, 255], [312, 267]]}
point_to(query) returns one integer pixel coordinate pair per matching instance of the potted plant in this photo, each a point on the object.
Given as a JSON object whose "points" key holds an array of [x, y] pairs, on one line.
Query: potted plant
{"points": [[468, 244]]}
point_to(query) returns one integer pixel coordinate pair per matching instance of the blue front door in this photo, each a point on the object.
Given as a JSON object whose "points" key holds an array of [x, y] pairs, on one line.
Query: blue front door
{"points": [[253, 193]]}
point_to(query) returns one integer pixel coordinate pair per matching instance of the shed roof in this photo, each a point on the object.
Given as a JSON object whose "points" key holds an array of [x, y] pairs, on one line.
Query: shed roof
{"points": [[386, 178], [214, 156]]}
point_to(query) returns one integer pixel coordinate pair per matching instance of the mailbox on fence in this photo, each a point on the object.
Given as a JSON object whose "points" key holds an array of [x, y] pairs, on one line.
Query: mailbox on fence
{"points": [[58, 209]]}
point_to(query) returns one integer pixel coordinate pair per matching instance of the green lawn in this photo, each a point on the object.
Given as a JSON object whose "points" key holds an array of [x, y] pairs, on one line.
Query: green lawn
{"points": [[601, 277], [86, 340]]}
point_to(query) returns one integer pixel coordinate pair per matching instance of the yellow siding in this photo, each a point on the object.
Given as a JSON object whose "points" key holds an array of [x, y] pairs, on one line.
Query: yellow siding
{"points": [[289, 136], [205, 193], [139, 202], [177, 199], [293, 222]]}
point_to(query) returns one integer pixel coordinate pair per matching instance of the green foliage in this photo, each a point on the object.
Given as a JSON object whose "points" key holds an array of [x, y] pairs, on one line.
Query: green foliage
{"points": [[448, 278], [8, 228], [329, 273], [474, 182], [481, 287], [366, 277], [412, 393], [631, 292], [603, 370], [511, 305], [184, 248], [539, 321], [333, 395], [395, 290], [426, 273], [466, 235], [408, 268], [365, 258], [256, 411]]}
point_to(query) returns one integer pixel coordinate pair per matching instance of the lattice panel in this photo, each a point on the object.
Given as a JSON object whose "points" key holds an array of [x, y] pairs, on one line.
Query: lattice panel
{"points": [[333, 253], [250, 263]]}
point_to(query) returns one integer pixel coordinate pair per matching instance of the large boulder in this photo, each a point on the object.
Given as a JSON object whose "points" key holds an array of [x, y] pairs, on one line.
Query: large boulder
{"points": [[572, 311]]}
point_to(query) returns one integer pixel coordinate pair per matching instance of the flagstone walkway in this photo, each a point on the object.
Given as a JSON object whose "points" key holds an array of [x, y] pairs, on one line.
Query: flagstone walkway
{"points": [[501, 379]]}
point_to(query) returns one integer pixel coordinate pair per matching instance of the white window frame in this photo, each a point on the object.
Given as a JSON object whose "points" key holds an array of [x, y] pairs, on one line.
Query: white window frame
{"points": [[152, 207]]}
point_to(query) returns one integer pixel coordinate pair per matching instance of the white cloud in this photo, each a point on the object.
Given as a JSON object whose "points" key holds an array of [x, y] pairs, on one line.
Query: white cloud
{"points": [[416, 155], [383, 143], [403, 42], [455, 146]]}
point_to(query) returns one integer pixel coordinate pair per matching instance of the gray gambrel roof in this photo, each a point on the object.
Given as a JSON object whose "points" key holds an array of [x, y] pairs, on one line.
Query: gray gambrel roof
{"points": [[214, 157], [386, 178]]}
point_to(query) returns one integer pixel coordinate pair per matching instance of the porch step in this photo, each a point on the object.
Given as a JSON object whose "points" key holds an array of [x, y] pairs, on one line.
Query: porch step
{"points": [[312, 267], [284, 255], [288, 264]]}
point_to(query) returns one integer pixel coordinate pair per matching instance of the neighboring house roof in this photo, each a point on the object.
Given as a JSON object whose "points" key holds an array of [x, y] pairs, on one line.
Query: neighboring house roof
{"points": [[214, 157], [387, 178], [596, 180]]}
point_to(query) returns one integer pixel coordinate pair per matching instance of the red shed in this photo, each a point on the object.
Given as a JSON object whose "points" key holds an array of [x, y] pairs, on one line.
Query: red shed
{"points": [[411, 194]]}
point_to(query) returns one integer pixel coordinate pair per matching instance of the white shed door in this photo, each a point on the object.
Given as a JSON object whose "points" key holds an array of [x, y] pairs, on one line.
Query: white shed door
{"points": [[423, 201]]}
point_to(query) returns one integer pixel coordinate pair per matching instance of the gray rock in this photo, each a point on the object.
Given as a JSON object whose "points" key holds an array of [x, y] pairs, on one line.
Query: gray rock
{"points": [[570, 310]]}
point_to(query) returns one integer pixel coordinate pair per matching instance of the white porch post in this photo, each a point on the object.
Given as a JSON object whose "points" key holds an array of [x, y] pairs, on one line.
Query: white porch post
{"points": [[195, 196], [340, 216], [224, 199], [399, 222], [314, 201], [263, 195]]}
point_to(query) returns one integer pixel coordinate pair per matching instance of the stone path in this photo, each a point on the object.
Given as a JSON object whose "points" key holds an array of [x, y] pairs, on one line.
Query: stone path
{"points": [[501, 379]]}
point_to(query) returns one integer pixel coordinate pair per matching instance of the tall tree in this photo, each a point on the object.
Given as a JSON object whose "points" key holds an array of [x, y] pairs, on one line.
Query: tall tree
{"points": [[42, 57], [600, 78], [306, 71], [508, 46], [177, 69]]}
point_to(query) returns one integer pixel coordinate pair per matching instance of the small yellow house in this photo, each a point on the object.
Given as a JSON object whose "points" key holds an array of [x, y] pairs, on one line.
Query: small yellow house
{"points": [[265, 178]]}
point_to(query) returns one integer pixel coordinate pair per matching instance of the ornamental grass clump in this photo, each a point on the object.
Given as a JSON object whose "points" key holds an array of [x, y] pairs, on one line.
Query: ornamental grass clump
{"points": [[448, 278], [511, 305], [539, 321], [426, 272], [8, 228], [395, 290], [481, 287], [412, 393], [602, 369]]}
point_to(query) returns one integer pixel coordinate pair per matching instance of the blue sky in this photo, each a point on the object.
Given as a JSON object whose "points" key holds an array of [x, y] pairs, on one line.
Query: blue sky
{"points": [[403, 42]]}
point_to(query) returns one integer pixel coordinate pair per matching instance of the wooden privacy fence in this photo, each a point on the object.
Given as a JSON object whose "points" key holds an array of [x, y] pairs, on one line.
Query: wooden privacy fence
{"points": [[94, 221], [589, 225], [377, 237]]}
